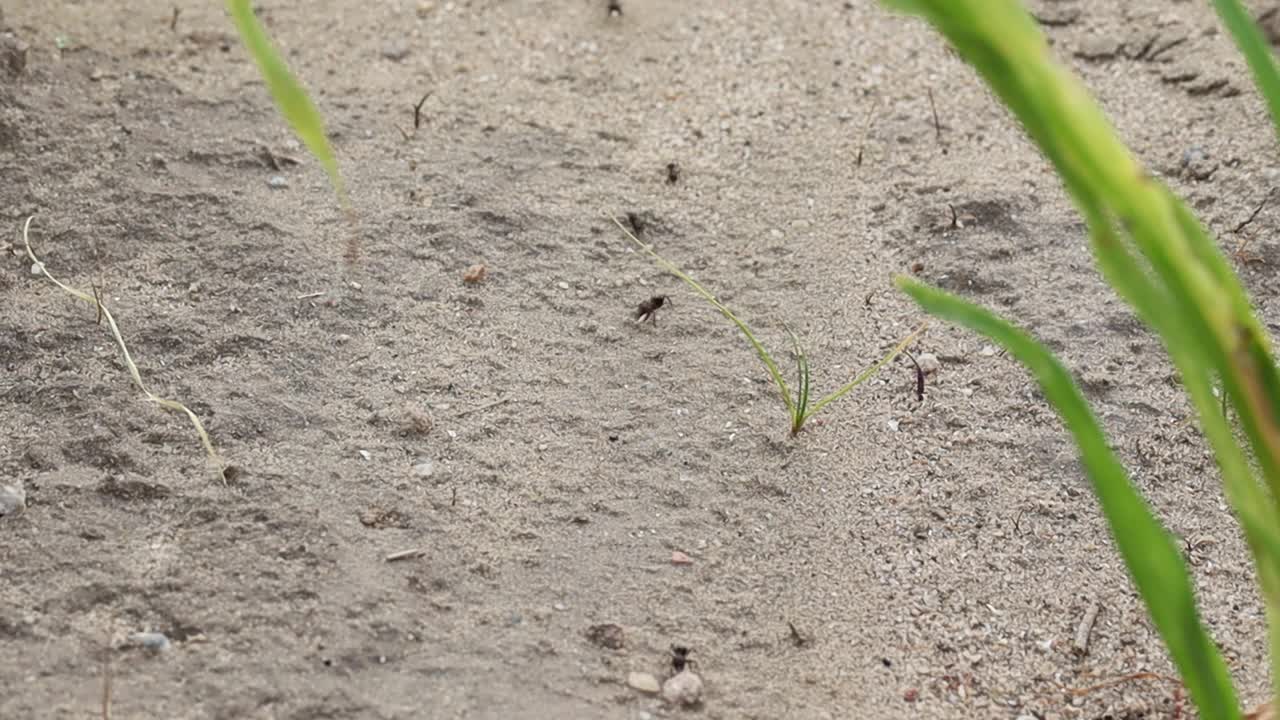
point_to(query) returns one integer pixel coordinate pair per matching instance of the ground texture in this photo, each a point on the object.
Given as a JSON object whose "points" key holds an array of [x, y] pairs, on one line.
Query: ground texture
{"points": [[546, 454]]}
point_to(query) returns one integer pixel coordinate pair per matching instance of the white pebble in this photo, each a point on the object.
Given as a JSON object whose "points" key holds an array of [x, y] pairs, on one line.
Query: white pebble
{"points": [[366, 455], [684, 688], [13, 500], [424, 470], [987, 351], [153, 641], [929, 363], [562, 285], [37, 268], [277, 182], [644, 682]]}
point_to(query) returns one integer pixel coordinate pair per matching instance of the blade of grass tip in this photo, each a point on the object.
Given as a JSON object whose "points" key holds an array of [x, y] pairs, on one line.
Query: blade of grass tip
{"points": [[1153, 559], [1256, 51], [291, 98], [802, 380], [39, 266], [761, 352], [866, 374]]}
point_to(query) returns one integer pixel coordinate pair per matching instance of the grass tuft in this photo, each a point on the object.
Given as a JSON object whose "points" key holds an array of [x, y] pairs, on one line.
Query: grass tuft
{"points": [[798, 402]]}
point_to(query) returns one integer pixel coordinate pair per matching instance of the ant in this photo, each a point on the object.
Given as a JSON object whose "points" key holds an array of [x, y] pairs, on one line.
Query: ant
{"points": [[680, 657], [615, 8], [648, 309]]}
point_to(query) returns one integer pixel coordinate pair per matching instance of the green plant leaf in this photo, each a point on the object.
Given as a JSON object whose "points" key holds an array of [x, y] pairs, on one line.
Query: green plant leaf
{"points": [[1256, 51], [292, 100], [1150, 554]]}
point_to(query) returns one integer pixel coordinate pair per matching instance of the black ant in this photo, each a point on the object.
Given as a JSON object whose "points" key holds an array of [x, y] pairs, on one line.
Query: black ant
{"points": [[673, 173], [648, 309], [680, 657]]}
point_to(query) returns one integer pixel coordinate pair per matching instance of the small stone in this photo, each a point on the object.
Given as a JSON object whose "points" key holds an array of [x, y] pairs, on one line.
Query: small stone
{"points": [[607, 635], [13, 500], [395, 51], [679, 558], [987, 351], [560, 607], [562, 285], [37, 268], [929, 363], [684, 688], [644, 682], [475, 274], [366, 455], [277, 182], [424, 469], [153, 641], [425, 7]]}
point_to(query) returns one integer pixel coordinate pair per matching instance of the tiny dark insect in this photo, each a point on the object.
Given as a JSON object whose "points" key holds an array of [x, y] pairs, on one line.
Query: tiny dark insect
{"points": [[648, 309], [615, 8], [673, 173], [680, 657], [636, 222]]}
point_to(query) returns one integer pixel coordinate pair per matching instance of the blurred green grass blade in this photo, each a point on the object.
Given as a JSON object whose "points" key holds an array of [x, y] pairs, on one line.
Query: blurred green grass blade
{"points": [[292, 100], [1256, 51], [1150, 554]]}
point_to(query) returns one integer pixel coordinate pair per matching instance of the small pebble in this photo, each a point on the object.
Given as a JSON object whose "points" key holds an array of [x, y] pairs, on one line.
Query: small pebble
{"points": [[679, 558], [475, 274], [395, 51], [644, 682], [424, 470], [277, 182], [561, 607], [929, 363], [684, 688], [154, 641], [366, 455], [13, 500], [987, 351], [562, 285], [37, 268]]}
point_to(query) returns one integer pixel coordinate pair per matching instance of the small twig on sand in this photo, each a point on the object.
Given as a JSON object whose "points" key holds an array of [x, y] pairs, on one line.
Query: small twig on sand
{"points": [[1080, 645], [405, 555], [1254, 214], [417, 113], [937, 126], [919, 376], [481, 408], [866, 130], [106, 686]]}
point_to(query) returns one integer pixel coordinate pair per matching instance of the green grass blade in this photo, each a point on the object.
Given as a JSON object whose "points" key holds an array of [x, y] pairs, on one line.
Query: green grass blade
{"points": [[802, 379], [1256, 51], [866, 374], [292, 100], [1149, 552], [761, 352]]}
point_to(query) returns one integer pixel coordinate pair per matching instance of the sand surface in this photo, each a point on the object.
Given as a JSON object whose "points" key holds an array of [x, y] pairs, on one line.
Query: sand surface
{"points": [[545, 454]]}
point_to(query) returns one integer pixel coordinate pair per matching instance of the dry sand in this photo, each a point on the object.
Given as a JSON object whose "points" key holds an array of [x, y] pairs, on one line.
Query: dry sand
{"points": [[935, 558]]}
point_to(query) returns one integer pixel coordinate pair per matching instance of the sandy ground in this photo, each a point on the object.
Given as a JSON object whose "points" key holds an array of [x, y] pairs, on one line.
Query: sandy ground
{"points": [[546, 454]]}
